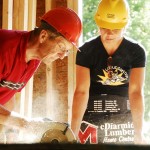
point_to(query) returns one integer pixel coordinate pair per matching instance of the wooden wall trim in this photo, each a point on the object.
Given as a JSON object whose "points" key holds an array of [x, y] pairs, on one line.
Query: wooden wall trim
{"points": [[7, 14], [71, 65]]}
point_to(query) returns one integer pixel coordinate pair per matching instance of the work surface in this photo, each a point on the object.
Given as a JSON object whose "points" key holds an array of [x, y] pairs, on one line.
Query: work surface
{"points": [[72, 147]]}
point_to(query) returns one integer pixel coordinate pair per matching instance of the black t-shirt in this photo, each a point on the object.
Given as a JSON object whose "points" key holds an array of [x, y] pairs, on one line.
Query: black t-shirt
{"points": [[93, 55]]}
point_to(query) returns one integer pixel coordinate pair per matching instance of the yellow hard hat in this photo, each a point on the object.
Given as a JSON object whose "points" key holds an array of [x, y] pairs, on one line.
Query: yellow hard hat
{"points": [[112, 14]]}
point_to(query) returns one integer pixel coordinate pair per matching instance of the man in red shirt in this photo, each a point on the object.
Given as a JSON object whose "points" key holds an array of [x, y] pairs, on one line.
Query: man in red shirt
{"points": [[21, 53]]}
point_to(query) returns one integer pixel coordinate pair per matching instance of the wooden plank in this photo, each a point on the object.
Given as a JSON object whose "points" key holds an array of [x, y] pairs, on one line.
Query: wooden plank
{"points": [[49, 80], [49, 92], [23, 14], [71, 64], [15, 14], [18, 16], [24, 19], [30, 20], [28, 98], [32, 14], [48, 5], [7, 14], [27, 19], [20, 13], [22, 100]]}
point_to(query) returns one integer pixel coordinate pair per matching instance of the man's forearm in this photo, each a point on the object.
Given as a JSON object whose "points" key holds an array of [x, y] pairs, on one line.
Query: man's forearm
{"points": [[4, 111], [11, 119]]}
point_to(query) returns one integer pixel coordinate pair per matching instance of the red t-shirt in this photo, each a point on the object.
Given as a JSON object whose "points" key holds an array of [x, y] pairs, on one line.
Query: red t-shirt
{"points": [[14, 71]]}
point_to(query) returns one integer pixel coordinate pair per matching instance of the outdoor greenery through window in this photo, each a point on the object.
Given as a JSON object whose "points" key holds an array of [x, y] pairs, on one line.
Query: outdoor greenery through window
{"points": [[138, 29]]}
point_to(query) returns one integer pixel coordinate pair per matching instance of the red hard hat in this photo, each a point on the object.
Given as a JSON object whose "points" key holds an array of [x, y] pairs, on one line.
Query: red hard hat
{"points": [[65, 21]]}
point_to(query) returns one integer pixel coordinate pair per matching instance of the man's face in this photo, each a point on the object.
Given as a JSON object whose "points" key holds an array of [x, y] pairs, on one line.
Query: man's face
{"points": [[53, 49]]}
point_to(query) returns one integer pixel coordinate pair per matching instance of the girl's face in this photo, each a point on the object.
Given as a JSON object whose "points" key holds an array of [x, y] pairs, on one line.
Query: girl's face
{"points": [[108, 35]]}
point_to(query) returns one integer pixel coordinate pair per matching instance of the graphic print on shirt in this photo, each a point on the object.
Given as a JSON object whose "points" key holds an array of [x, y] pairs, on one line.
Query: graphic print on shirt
{"points": [[11, 85], [113, 76]]}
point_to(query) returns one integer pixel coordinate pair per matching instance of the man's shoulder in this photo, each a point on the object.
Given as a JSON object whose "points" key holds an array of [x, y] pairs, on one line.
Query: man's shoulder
{"points": [[10, 38], [11, 33]]}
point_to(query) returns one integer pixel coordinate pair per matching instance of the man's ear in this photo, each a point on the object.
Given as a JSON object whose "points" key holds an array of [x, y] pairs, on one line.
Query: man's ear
{"points": [[43, 36]]}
